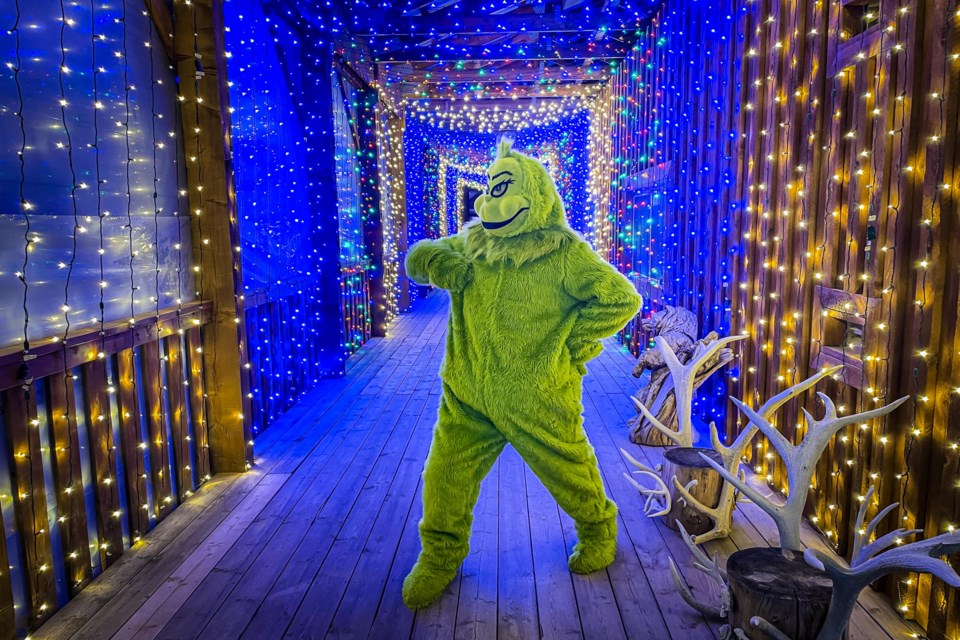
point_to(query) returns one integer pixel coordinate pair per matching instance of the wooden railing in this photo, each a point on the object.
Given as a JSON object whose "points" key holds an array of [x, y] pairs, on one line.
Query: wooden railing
{"points": [[102, 437], [285, 358]]}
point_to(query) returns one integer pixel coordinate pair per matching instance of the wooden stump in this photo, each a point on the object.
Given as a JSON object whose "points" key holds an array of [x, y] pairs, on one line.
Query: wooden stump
{"points": [[786, 592], [686, 464]]}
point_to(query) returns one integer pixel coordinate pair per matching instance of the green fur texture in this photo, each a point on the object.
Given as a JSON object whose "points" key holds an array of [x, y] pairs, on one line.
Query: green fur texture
{"points": [[527, 312]]}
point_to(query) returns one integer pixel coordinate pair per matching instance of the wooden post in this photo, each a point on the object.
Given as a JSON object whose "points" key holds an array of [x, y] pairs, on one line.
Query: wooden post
{"points": [[30, 502], [8, 619], [686, 464], [372, 215], [201, 65]]}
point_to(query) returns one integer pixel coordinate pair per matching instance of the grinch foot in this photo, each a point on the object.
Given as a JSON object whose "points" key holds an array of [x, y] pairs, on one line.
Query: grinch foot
{"points": [[424, 585], [592, 555]]}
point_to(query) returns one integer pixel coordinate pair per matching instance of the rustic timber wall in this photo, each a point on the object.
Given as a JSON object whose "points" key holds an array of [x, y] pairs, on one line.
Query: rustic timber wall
{"points": [[810, 182], [106, 428]]}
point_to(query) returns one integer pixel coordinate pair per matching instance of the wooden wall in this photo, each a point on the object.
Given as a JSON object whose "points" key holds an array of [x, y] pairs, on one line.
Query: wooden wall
{"points": [[104, 440], [104, 431], [848, 169], [835, 238]]}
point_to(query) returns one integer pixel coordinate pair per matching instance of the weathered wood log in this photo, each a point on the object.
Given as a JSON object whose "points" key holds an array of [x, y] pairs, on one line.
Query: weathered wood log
{"points": [[687, 465], [785, 591]]}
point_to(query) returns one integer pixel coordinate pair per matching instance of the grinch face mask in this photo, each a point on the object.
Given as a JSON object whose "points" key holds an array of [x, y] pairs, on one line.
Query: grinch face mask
{"points": [[504, 208]]}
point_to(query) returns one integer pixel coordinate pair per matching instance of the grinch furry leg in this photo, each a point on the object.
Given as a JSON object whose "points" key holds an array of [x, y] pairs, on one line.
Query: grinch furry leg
{"points": [[465, 445]]}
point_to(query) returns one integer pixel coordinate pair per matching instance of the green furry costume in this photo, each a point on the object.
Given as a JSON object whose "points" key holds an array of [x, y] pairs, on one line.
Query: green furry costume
{"points": [[529, 302]]}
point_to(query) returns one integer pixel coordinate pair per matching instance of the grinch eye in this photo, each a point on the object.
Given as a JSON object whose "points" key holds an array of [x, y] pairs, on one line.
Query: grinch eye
{"points": [[500, 188]]}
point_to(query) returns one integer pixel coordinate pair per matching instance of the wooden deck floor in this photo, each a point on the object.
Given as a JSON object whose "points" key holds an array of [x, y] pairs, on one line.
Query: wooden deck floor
{"points": [[315, 541]]}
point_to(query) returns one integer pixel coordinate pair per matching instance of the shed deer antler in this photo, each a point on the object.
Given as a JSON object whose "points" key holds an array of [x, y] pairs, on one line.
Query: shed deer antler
{"points": [[866, 566], [800, 461], [722, 514], [709, 566], [684, 377], [657, 501]]}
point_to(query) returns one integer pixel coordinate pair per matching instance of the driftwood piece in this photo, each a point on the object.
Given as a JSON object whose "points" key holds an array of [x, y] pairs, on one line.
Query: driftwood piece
{"points": [[659, 395], [779, 588], [684, 467], [677, 327]]}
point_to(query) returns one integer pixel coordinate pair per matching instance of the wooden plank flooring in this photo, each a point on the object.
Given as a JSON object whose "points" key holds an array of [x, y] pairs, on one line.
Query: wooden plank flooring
{"points": [[315, 541]]}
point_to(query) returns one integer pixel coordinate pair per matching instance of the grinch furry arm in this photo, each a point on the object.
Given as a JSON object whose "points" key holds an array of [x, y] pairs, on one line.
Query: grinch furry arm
{"points": [[608, 300], [440, 263]]}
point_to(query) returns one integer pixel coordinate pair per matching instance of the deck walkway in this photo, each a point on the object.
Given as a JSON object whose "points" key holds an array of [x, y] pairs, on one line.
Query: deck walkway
{"points": [[315, 540]]}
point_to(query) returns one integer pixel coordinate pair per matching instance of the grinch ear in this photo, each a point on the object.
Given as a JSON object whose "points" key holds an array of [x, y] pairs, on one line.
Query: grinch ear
{"points": [[504, 145]]}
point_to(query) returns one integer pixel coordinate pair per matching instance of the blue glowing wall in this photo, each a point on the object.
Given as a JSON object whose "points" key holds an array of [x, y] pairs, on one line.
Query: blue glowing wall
{"points": [[675, 114], [287, 198]]}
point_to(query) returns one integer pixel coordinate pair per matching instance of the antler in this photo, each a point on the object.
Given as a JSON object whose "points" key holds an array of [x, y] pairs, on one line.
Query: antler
{"points": [[863, 553], [658, 500], [709, 566], [722, 514], [800, 461], [759, 623], [868, 567], [685, 377]]}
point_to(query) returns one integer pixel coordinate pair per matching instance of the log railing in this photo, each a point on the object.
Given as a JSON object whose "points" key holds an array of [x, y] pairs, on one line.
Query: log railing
{"points": [[102, 437]]}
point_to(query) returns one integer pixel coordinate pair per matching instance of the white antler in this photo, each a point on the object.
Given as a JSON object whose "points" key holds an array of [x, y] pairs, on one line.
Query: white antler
{"points": [[685, 378], [759, 623], [800, 461], [709, 566], [868, 567], [862, 553], [657, 501], [722, 514]]}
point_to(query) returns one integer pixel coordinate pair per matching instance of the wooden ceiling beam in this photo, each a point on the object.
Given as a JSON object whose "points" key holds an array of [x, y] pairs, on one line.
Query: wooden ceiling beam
{"points": [[400, 26], [574, 51], [559, 74], [529, 91]]}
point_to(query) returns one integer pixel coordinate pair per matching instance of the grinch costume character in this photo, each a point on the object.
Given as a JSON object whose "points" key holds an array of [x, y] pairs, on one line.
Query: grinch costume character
{"points": [[529, 303]]}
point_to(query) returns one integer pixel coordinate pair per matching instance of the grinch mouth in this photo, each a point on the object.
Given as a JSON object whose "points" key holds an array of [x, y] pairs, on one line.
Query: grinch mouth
{"points": [[502, 223]]}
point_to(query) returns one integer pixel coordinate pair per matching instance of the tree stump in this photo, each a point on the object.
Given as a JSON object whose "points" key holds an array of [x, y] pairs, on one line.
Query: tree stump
{"points": [[786, 592], [686, 464]]}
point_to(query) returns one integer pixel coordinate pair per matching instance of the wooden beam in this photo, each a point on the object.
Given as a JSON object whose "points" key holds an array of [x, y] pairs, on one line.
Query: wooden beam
{"points": [[435, 25], [523, 93], [206, 131], [103, 456], [83, 347], [8, 619], [574, 51], [500, 75], [159, 13], [68, 478], [30, 502]]}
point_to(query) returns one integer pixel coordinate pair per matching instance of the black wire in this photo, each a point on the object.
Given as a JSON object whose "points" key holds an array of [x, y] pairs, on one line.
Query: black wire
{"points": [[140, 463], [96, 154], [67, 378], [199, 277], [24, 374], [24, 205], [160, 500]]}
